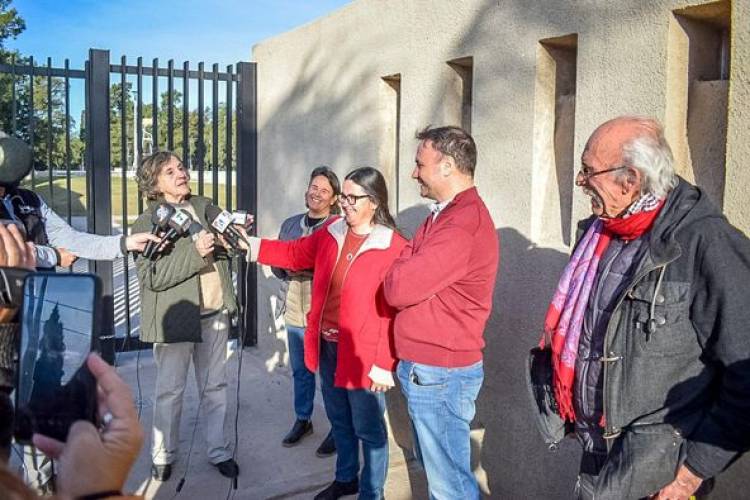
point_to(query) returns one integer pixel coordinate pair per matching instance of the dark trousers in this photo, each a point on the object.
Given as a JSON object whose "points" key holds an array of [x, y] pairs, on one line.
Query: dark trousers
{"points": [[356, 415]]}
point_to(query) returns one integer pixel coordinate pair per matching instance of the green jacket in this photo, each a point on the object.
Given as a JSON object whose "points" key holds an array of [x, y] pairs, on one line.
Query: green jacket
{"points": [[170, 287]]}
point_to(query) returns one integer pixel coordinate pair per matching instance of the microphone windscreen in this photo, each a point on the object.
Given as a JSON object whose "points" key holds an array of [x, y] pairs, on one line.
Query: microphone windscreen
{"points": [[15, 160], [218, 219], [212, 211], [180, 221], [160, 217]]}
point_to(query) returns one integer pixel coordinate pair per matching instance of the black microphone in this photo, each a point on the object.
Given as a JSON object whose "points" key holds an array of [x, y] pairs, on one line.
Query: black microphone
{"points": [[178, 225], [194, 230], [221, 222], [159, 220]]}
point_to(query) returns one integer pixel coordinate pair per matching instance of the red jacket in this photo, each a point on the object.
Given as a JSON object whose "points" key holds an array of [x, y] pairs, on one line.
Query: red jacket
{"points": [[365, 319], [442, 285]]}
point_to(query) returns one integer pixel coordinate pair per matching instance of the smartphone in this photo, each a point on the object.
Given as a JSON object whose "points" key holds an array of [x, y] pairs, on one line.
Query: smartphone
{"points": [[55, 387]]}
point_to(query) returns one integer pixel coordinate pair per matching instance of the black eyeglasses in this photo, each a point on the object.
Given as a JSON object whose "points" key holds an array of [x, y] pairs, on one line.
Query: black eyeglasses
{"points": [[352, 199], [587, 174]]}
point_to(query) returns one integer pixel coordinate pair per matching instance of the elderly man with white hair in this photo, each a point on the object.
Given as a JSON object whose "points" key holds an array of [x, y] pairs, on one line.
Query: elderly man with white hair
{"points": [[646, 347]]}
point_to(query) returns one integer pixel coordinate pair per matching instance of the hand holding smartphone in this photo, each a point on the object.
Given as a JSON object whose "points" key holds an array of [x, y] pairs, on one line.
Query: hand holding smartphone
{"points": [[55, 387]]}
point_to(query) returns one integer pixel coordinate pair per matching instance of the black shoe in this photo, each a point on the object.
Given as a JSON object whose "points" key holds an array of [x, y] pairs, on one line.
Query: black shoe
{"points": [[228, 468], [338, 489], [327, 447], [300, 429], [161, 472]]}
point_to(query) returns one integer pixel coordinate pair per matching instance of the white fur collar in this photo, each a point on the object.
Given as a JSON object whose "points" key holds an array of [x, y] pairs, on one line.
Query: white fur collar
{"points": [[379, 239]]}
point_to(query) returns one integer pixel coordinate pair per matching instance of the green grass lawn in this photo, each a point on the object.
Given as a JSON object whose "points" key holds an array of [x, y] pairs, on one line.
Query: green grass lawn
{"points": [[58, 199]]}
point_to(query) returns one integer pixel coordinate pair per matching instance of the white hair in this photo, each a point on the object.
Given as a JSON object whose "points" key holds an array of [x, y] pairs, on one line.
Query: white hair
{"points": [[652, 156]]}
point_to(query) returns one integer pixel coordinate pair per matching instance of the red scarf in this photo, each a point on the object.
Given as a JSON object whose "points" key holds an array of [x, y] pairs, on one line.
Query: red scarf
{"points": [[562, 324], [634, 226]]}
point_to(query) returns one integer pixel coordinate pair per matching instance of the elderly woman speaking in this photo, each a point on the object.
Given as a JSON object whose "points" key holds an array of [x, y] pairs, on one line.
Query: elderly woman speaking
{"points": [[349, 328], [186, 302]]}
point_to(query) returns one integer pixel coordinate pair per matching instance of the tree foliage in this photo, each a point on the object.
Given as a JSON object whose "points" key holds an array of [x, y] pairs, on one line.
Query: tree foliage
{"points": [[11, 24], [45, 127], [200, 150]]}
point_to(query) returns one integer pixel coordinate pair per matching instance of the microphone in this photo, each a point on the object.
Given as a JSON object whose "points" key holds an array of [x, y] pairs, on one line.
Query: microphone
{"points": [[159, 219], [239, 217], [178, 225], [221, 222], [195, 229]]}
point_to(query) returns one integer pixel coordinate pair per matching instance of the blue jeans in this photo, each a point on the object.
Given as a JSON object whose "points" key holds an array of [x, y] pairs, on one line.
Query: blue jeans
{"points": [[356, 415], [441, 406], [304, 379]]}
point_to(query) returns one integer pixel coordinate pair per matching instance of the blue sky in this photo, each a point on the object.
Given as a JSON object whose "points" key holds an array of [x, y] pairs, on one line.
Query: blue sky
{"points": [[222, 31]]}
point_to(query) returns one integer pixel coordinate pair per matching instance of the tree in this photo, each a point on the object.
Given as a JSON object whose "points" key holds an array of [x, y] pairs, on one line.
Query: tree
{"points": [[11, 25], [115, 123]]}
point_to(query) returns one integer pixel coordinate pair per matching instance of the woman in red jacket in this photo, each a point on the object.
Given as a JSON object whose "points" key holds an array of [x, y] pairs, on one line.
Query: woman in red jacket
{"points": [[349, 329]]}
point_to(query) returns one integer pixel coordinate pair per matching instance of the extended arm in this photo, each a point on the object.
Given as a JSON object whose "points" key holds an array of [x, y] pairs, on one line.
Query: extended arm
{"points": [[85, 245]]}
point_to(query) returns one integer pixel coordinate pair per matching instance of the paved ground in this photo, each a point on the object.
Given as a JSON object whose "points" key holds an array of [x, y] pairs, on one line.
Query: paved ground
{"points": [[268, 470]]}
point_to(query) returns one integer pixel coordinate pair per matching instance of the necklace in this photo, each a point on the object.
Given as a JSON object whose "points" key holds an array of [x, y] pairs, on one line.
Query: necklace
{"points": [[359, 239]]}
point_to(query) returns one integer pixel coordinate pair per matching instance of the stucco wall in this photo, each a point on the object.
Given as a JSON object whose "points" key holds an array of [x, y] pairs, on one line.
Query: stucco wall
{"points": [[321, 101]]}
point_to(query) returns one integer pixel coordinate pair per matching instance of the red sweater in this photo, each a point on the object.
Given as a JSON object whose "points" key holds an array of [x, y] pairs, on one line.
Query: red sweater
{"points": [[365, 319], [442, 285]]}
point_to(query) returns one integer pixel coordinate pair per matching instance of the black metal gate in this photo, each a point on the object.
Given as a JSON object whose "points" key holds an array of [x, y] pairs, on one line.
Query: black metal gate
{"points": [[234, 187]]}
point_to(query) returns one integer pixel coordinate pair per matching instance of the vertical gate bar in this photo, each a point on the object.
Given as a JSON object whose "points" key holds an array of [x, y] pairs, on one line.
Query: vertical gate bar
{"points": [[186, 116], [67, 142], [228, 148], [32, 123], [215, 136], [100, 192], [155, 105], [247, 181], [200, 150], [139, 123], [124, 189], [87, 148], [170, 104], [49, 131], [13, 110]]}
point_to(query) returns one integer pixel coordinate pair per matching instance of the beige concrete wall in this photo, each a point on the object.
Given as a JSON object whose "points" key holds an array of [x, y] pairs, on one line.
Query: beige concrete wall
{"points": [[323, 101]]}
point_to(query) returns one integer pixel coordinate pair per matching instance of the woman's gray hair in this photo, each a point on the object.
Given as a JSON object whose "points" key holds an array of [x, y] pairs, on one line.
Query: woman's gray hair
{"points": [[651, 155], [148, 172]]}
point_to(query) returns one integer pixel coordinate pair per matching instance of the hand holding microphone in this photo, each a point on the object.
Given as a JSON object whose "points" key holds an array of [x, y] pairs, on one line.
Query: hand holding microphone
{"points": [[159, 221], [222, 223], [204, 243], [177, 225]]}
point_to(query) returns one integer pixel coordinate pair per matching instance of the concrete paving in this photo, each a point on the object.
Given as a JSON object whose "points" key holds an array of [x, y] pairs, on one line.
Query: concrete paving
{"points": [[268, 470]]}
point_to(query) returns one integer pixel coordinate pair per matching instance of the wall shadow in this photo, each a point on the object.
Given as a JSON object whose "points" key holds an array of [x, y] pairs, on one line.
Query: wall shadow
{"points": [[398, 414], [513, 454], [734, 478], [271, 338], [410, 219]]}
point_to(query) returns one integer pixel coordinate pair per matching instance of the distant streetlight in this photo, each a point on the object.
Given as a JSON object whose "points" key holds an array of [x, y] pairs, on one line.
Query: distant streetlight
{"points": [[147, 144]]}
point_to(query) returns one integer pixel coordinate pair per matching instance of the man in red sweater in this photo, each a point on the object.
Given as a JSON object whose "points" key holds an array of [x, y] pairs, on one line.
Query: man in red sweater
{"points": [[442, 288]]}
